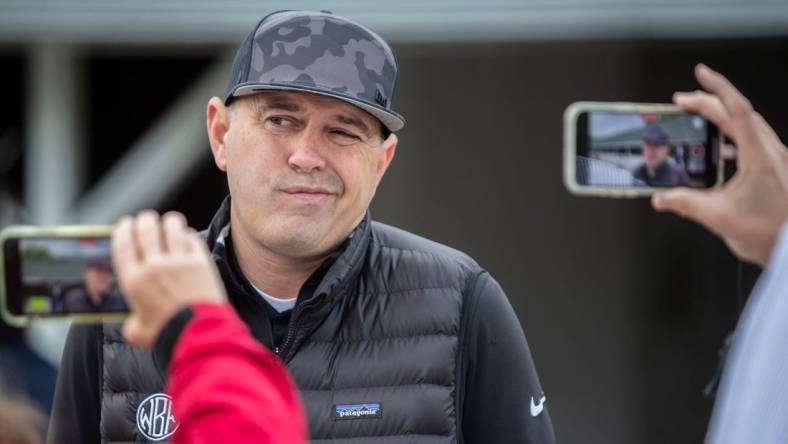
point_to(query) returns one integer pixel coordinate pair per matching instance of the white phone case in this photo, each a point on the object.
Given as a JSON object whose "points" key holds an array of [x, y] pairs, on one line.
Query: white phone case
{"points": [[570, 141], [67, 231]]}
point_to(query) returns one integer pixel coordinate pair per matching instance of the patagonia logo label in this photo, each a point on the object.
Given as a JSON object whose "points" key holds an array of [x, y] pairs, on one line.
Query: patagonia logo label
{"points": [[358, 411]]}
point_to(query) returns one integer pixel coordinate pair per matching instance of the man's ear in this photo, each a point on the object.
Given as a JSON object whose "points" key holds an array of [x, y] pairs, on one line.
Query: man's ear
{"points": [[217, 118], [389, 148]]}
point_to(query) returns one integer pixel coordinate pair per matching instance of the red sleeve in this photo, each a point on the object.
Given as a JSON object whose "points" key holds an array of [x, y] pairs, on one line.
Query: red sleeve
{"points": [[226, 387]]}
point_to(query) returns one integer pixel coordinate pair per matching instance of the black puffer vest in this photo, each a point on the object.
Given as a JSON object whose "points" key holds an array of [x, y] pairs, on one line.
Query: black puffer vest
{"points": [[374, 350]]}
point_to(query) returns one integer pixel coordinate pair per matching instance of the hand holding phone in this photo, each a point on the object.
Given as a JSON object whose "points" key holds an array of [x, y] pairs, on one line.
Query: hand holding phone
{"points": [[750, 209], [94, 273], [163, 266]]}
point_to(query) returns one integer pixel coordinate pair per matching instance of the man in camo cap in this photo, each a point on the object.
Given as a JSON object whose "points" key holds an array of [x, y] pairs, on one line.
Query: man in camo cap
{"points": [[389, 337], [321, 54]]}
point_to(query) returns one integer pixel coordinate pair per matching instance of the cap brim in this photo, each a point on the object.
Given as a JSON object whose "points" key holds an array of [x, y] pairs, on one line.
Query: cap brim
{"points": [[392, 120]]}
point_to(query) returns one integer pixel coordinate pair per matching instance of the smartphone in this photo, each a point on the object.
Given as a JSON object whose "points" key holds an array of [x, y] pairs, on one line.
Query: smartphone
{"points": [[58, 272], [617, 149]]}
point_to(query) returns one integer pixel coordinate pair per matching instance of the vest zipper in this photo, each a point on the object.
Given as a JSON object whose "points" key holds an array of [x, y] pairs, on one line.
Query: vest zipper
{"points": [[290, 333], [282, 351]]}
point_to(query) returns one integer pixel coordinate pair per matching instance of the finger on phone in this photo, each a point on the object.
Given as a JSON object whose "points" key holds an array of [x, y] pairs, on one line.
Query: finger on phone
{"points": [[124, 252], [148, 233], [734, 101], [131, 331], [754, 137], [704, 207], [174, 229], [707, 105], [768, 131], [746, 129]]}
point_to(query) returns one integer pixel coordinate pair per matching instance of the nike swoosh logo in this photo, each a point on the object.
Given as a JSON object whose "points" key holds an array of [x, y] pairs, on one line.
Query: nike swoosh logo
{"points": [[536, 409]]}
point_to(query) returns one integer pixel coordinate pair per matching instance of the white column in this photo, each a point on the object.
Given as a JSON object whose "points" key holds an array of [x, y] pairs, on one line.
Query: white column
{"points": [[169, 151], [54, 152], [54, 159]]}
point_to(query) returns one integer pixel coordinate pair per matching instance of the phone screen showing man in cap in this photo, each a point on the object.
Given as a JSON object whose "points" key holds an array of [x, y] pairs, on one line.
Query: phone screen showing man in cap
{"points": [[57, 276], [635, 149]]}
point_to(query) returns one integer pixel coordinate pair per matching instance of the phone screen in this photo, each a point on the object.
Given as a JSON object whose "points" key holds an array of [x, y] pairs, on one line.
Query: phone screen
{"points": [[645, 149], [60, 275]]}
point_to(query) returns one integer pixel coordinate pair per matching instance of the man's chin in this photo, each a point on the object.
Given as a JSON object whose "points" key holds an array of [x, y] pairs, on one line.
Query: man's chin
{"points": [[303, 239], [301, 213]]}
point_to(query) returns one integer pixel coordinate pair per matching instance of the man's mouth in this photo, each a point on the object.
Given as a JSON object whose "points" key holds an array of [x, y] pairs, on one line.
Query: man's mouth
{"points": [[309, 194]]}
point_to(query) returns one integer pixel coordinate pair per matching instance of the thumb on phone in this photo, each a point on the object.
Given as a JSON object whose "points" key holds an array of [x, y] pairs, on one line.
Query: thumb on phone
{"points": [[704, 207], [133, 331]]}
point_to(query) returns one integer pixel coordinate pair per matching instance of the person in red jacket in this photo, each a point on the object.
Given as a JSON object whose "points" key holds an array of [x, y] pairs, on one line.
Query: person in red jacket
{"points": [[225, 386]]}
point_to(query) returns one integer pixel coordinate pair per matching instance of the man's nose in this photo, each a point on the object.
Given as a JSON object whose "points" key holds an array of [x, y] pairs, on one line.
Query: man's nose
{"points": [[306, 155]]}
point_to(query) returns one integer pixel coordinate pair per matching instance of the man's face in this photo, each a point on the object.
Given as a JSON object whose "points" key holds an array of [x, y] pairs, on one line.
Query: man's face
{"points": [[302, 168], [655, 154], [98, 281]]}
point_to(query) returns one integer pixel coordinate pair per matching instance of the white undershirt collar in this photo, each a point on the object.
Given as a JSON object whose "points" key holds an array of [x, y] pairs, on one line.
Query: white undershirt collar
{"points": [[280, 305]]}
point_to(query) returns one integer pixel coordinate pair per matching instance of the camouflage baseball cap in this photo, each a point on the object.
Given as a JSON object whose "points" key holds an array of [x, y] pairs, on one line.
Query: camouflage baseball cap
{"points": [[321, 53]]}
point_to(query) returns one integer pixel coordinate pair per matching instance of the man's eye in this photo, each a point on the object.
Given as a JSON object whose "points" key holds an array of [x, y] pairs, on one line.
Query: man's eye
{"points": [[281, 124], [279, 121], [344, 135]]}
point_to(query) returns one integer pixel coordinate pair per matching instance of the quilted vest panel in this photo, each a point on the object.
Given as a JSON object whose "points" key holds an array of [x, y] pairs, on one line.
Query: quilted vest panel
{"points": [[387, 347]]}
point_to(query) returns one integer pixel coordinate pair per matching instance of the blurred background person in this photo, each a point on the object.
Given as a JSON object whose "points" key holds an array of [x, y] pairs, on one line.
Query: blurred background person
{"points": [[659, 168]]}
